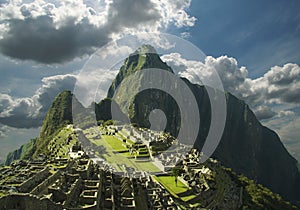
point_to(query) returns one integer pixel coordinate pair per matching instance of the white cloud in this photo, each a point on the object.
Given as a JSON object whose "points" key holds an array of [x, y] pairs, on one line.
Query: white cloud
{"points": [[226, 68], [286, 113], [4, 130], [264, 112], [290, 133], [185, 35], [58, 31], [30, 111], [175, 12], [280, 85], [93, 86]]}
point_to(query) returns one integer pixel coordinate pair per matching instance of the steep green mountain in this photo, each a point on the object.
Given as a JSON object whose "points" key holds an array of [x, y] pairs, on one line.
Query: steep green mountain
{"points": [[246, 146], [103, 110], [143, 58], [59, 115]]}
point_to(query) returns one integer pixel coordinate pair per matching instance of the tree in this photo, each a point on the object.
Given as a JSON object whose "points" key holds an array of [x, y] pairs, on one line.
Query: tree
{"points": [[176, 171]]}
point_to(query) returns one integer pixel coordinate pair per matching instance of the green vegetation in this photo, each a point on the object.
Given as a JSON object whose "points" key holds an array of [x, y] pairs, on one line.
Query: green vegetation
{"points": [[223, 182], [59, 146], [24, 152], [178, 190], [3, 193], [243, 133], [169, 184], [176, 171], [116, 144], [58, 116], [257, 195], [116, 156]]}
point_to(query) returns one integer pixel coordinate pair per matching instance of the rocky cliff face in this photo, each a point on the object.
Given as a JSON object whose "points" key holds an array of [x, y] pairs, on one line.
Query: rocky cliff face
{"points": [[256, 151], [246, 146]]}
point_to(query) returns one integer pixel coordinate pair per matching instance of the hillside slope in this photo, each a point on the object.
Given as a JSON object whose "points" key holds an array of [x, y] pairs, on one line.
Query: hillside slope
{"points": [[246, 146]]}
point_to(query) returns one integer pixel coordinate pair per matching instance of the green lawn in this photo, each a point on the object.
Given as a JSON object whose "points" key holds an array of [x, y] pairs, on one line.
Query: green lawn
{"points": [[116, 159], [116, 144], [180, 191], [169, 183], [122, 135]]}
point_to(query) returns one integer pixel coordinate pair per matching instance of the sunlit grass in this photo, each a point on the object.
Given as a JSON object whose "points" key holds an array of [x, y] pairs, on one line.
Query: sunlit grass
{"points": [[169, 183], [116, 144], [180, 190], [116, 158]]}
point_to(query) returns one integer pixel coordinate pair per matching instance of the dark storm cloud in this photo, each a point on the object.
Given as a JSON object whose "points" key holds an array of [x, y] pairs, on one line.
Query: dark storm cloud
{"points": [[131, 13], [53, 34], [42, 39], [38, 39], [57, 31]]}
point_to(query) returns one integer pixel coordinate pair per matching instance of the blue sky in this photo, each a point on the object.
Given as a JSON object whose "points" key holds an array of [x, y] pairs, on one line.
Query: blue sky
{"points": [[259, 34], [44, 44]]}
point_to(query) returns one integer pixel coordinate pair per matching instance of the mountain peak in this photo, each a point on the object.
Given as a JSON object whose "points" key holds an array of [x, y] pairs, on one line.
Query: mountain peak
{"points": [[58, 116], [145, 49], [145, 57]]}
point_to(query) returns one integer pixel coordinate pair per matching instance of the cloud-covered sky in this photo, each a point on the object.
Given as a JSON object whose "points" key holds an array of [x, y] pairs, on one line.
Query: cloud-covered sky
{"points": [[60, 31], [253, 45]]}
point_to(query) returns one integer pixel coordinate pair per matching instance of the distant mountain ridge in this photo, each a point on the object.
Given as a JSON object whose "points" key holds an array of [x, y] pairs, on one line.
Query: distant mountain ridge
{"points": [[246, 146], [24, 152]]}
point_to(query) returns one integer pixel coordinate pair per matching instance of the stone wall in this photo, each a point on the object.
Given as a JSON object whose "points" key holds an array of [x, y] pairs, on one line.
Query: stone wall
{"points": [[38, 189], [32, 182], [74, 193], [93, 207], [27, 202]]}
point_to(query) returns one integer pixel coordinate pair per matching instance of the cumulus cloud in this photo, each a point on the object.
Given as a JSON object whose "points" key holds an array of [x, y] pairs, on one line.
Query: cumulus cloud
{"points": [[30, 111], [290, 133], [284, 83], [51, 86], [231, 75], [264, 112], [58, 31], [3, 130], [278, 86], [93, 86], [286, 113], [185, 35]]}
